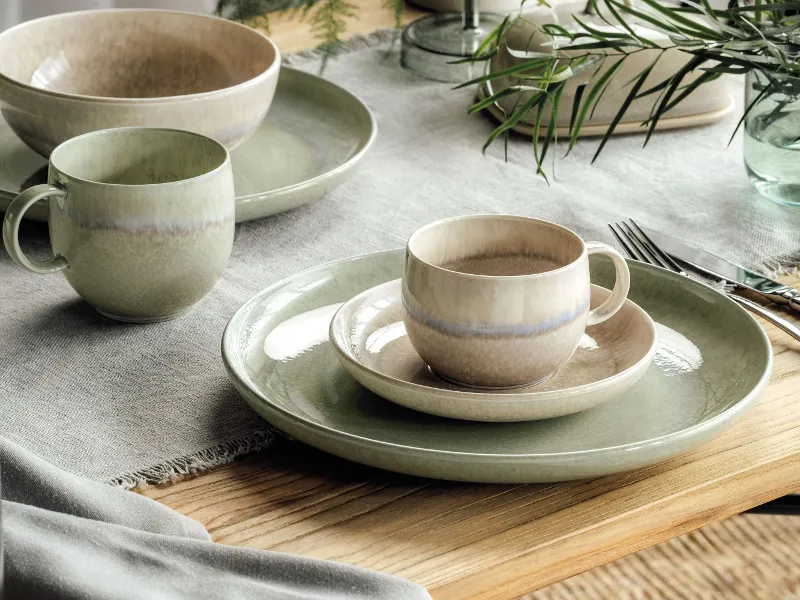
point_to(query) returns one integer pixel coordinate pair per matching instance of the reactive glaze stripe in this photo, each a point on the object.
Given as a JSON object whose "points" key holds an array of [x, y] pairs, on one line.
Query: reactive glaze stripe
{"points": [[78, 208], [467, 329], [142, 219]]}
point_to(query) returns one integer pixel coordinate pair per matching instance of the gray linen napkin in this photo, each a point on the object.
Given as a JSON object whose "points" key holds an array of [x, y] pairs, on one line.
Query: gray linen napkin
{"points": [[66, 537]]}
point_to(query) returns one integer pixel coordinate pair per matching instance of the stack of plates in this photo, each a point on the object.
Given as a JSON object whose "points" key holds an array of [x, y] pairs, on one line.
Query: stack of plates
{"points": [[650, 401]]}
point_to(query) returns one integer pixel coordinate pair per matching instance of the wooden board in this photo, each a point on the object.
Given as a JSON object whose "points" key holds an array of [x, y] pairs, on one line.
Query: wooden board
{"points": [[490, 541]]}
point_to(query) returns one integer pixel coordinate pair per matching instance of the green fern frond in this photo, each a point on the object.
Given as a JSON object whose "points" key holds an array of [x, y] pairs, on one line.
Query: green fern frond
{"points": [[328, 23], [250, 12], [328, 17], [398, 8], [246, 10]]}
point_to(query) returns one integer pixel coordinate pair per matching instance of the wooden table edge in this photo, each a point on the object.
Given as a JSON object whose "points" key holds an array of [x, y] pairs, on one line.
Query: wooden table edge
{"points": [[677, 515]]}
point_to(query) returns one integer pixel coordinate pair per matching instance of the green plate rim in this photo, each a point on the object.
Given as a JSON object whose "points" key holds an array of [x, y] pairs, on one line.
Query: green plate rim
{"points": [[364, 147]]}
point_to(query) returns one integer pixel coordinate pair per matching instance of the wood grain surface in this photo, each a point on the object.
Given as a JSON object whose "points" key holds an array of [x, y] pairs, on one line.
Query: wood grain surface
{"points": [[495, 541], [491, 541], [292, 33]]}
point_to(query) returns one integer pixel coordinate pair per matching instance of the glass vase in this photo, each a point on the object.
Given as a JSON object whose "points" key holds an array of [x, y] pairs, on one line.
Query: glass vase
{"points": [[772, 137]]}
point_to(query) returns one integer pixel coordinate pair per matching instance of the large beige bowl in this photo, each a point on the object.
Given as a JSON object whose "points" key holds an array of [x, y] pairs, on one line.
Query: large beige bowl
{"points": [[69, 74]]}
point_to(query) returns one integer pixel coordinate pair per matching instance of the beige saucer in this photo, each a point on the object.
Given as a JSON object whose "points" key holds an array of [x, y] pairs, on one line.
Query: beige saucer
{"points": [[370, 341]]}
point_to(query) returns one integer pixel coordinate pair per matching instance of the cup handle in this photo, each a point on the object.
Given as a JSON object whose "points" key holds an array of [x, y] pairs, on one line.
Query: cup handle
{"points": [[623, 283], [11, 223]]}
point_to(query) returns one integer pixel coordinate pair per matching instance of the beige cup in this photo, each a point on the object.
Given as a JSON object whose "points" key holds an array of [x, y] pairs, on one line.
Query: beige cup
{"points": [[141, 219], [501, 301]]}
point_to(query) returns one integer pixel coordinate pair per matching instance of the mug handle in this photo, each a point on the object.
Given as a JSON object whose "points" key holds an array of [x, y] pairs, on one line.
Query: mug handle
{"points": [[11, 223], [623, 283]]}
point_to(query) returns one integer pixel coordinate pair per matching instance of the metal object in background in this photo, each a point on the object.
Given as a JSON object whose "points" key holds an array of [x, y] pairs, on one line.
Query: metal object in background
{"points": [[432, 44]]}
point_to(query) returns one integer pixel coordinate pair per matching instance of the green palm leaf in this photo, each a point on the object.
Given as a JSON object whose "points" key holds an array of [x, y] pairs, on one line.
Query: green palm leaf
{"points": [[597, 89], [632, 94], [739, 39], [674, 82]]}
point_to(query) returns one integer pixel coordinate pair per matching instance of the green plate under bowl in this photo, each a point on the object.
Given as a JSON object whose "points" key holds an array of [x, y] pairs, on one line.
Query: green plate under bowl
{"points": [[712, 363], [314, 135]]}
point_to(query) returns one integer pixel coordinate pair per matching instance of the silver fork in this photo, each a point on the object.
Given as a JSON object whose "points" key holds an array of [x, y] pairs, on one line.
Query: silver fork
{"points": [[638, 245]]}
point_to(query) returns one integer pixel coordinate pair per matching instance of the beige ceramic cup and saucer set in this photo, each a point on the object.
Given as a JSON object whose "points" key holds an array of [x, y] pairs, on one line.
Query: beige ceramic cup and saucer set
{"points": [[489, 323]]}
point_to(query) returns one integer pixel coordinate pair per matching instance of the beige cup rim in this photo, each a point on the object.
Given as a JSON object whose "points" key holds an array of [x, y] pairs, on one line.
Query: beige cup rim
{"points": [[530, 220], [63, 146], [245, 30]]}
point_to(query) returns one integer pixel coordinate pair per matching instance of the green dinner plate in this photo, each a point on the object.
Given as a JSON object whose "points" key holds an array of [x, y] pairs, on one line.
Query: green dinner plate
{"points": [[314, 135], [712, 363]]}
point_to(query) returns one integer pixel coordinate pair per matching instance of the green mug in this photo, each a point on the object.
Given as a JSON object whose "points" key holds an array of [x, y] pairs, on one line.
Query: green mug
{"points": [[141, 220]]}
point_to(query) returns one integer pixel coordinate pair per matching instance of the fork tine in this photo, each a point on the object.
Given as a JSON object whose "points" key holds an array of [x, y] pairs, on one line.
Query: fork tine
{"points": [[657, 260], [647, 256], [620, 235], [655, 248]]}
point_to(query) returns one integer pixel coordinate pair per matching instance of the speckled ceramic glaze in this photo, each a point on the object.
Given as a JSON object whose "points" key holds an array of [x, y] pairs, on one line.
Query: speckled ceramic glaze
{"points": [[69, 74], [369, 337], [711, 364], [313, 138], [513, 323], [141, 220]]}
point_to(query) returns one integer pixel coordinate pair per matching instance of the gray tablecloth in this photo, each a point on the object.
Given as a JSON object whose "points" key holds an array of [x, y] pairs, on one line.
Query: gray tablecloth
{"points": [[127, 404], [67, 537]]}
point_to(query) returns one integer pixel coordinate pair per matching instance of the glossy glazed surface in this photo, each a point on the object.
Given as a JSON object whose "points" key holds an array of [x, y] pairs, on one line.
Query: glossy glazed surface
{"points": [[69, 74], [370, 340], [314, 136], [508, 328], [277, 352], [144, 219]]}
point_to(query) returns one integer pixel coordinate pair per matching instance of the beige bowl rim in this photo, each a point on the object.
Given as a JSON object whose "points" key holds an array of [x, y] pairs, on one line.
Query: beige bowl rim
{"points": [[266, 74]]}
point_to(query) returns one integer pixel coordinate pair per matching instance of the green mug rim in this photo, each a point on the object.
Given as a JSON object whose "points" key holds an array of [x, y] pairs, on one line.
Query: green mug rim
{"points": [[64, 146]]}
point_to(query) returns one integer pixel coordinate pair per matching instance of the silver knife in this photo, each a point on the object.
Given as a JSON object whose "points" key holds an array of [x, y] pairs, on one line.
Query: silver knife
{"points": [[736, 275]]}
